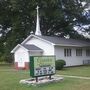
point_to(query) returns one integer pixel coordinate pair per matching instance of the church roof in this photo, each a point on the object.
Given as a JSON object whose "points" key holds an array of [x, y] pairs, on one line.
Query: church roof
{"points": [[31, 47], [59, 41], [27, 48], [64, 41]]}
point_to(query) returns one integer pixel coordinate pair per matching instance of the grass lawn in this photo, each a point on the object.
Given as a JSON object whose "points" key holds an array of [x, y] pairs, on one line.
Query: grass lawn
{"points": [[83, 71], [9, 79]]}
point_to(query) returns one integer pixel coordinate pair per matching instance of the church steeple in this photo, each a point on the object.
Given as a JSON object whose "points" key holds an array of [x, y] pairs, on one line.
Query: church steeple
{"points": [[38, 32]]}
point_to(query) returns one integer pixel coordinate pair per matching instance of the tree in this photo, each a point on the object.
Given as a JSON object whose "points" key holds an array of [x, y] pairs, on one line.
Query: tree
{"points": [[57, 17]]}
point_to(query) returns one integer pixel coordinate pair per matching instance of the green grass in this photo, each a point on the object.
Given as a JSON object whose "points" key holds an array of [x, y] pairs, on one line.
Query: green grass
{"points": [[9, 79], [83, 71]]}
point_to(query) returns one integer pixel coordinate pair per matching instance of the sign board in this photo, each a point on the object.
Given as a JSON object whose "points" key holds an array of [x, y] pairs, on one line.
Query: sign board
{"points": [[42, 65]]}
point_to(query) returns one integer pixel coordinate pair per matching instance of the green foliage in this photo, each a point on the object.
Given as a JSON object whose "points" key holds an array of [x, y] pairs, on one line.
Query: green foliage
{"points": [[18, 19], [6, 58], [60, 64]]}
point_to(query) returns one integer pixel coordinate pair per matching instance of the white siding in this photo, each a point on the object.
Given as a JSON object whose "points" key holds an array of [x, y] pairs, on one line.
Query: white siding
{"points": [[73, 59], [21, 56], [48, 49], [35, 53]]}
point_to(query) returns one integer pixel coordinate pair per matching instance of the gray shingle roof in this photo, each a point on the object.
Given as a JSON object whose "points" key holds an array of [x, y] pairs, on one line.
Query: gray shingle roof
{"points": [[64, 41], [31, 47]]}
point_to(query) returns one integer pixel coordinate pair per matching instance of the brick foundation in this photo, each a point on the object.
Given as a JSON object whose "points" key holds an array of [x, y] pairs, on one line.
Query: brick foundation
{"points": [[21, 68], [16, 65], [27, 65]]}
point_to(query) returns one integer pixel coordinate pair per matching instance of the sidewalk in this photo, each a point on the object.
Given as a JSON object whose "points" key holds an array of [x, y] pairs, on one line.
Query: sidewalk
{"points": [[79, 77]]}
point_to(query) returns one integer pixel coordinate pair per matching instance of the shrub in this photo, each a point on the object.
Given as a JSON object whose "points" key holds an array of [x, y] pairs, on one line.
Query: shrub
{"points": [[6, 58], [60, 64]]}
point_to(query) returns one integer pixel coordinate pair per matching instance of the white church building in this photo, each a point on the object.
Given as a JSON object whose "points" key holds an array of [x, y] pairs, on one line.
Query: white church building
{"points": [[74, 52]]}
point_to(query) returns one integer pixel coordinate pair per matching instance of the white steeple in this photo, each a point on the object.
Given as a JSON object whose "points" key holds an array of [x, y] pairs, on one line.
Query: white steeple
{"points": [[38, 32]]}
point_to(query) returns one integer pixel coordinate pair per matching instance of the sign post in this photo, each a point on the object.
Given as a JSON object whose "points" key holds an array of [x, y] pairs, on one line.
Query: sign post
{"points": [[42, 66]]}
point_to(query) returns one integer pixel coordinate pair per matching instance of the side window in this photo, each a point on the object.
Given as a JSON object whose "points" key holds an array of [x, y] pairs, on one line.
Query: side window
{"points": [[78, 52], [67, 52], [87, 52]]}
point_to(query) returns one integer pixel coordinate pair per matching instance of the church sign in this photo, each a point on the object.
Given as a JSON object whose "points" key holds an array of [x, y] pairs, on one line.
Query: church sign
{"points": [[42, 66]]}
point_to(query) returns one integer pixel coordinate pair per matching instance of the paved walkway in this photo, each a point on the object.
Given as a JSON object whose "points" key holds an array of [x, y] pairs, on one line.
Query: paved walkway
{"points": [[79, 77]]}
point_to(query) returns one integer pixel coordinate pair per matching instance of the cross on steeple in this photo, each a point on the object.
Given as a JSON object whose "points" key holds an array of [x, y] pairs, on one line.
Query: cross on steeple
{"points": [[38, 32], [37, 7]]}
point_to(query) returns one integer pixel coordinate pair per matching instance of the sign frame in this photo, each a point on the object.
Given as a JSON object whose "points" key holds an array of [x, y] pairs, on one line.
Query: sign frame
{"points": [[32, 73]]}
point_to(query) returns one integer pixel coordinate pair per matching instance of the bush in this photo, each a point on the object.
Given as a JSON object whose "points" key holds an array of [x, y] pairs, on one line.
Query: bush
{"points": [[60, 64], [6, 58]]}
